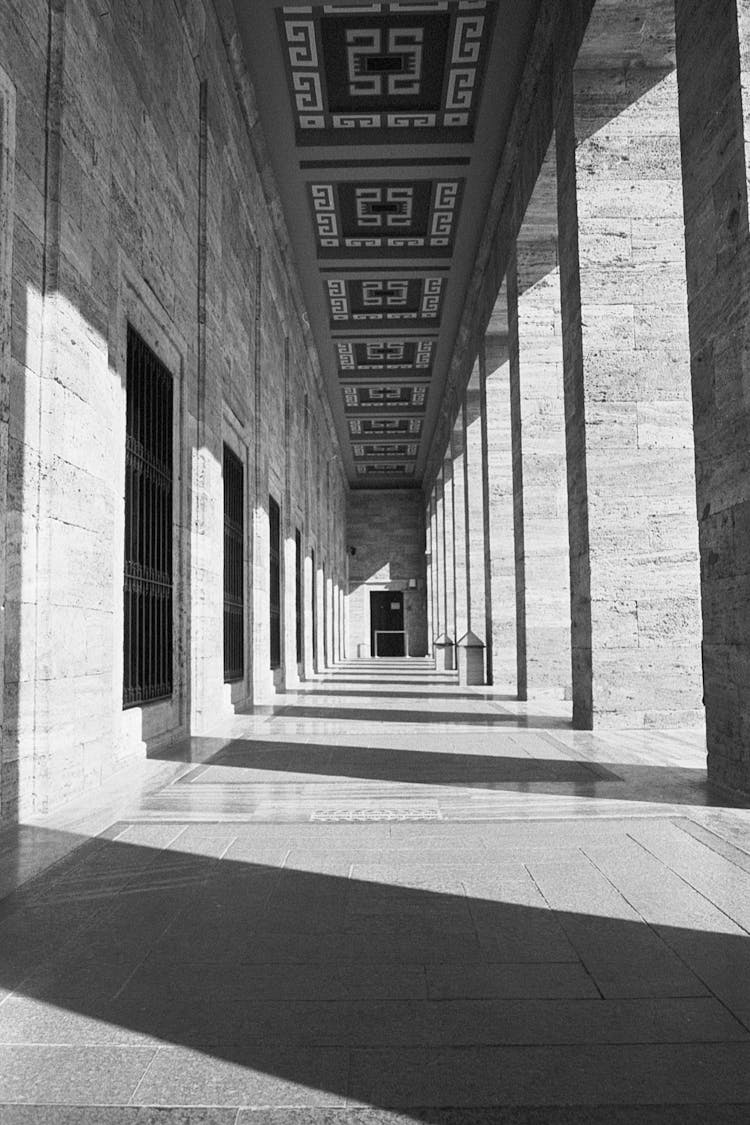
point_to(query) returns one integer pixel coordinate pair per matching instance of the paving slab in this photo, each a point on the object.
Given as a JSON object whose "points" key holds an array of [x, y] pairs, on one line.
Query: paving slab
{"points": [[478, 916]]}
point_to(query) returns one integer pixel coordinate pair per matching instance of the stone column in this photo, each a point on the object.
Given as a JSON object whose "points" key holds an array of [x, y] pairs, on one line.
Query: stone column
{"points": [[320, 615], [289, 599], [476, 487], [429, 574], [444, 641], [541, 517], [329, 612], [450, 549], [713, 67], [440, 557], [435, 566], [633, 535], [500, 550], [460, 527], [469, 653]]}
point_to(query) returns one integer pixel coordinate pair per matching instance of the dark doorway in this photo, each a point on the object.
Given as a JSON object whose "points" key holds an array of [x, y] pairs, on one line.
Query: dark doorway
{"points": [[387, 636]]}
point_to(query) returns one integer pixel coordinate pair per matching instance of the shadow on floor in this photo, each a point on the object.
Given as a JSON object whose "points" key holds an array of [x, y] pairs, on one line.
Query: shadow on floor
{"points": [[372, 714], [297, 988], [373, 691], [255, 761]]}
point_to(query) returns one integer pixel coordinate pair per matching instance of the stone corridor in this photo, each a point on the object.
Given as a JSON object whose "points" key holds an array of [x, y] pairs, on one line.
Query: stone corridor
{"points": [[386, 898]]}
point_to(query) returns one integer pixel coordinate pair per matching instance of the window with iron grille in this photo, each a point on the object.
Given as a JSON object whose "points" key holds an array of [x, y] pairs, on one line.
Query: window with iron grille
{"points": [[298, 590], [274, 520], [234, 570], [148, 527]]}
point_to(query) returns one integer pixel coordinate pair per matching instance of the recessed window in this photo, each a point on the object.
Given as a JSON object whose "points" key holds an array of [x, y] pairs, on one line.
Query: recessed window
{"points": [[234, 568], [148, 585]]}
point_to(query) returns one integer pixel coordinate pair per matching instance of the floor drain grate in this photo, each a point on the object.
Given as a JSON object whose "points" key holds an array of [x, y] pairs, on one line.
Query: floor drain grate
{"points": [[365, 815]]}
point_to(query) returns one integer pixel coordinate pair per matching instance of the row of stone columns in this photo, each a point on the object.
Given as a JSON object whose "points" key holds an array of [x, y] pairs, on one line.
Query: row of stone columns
{"points": [[581, 404]]}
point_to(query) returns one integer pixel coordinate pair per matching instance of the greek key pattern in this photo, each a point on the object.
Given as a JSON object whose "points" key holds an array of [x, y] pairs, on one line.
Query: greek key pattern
{"points": [[379, 355], [388, 428], [385, 216], [386, 469], [432, 291], [326, 219], [338, 299], [462, 77], [383, 63], [391, 452], [385, 400], [390, 300]]}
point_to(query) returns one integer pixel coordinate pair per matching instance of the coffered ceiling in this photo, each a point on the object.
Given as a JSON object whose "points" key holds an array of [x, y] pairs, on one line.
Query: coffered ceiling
{"points": [[385, 123]]}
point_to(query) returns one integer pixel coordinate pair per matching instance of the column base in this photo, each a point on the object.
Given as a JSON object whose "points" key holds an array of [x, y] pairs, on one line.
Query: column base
{"points": [[445, 660], [470, 660]]}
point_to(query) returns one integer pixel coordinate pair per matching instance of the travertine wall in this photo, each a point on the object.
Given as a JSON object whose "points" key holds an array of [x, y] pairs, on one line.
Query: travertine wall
{"points": [[387, 531], [132, 170]]}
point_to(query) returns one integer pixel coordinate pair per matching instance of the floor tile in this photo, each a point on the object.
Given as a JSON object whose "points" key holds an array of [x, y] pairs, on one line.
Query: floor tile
{"points": [[181, 1077], [315, 917]]}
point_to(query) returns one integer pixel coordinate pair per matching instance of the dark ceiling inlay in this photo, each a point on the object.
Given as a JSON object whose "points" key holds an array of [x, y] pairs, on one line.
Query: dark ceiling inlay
{"points": [[388, 451], [386, 469], [384, 355], [417, 218], [396, 70], [414, 162], [381, 428], [382, 300], [384, 399]]}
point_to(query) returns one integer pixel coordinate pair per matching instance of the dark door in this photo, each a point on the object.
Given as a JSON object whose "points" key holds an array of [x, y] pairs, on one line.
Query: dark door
{"points": [[387, 620]]}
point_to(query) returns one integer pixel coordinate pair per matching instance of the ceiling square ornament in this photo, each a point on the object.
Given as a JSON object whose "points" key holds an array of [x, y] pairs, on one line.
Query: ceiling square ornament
{"points": [[388, 300], [412, 71], [358, 220], [382, 399], [389, 354]]}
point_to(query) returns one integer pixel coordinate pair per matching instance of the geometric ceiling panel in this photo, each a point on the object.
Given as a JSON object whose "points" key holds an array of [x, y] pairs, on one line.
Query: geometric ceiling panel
{"points": [[417, 218], [384, 398], [378, 429], [389, 299], [378, 357], [399, 71], [385, 123], [385, 451], [402, 469]]}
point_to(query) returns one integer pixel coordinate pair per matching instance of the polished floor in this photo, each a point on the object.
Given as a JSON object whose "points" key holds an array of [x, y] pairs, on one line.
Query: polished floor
{"points": [[387, 899]]}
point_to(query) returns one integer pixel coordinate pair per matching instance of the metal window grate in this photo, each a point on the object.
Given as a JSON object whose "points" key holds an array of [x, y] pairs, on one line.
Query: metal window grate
{"points": [[298, 591], [234, 571], [274, 520], [148, 527]]}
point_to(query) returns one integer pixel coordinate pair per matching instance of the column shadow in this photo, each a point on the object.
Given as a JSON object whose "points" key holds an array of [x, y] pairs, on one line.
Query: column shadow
{"points": [[244, 762], [310, 988]]}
